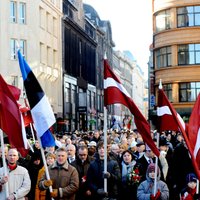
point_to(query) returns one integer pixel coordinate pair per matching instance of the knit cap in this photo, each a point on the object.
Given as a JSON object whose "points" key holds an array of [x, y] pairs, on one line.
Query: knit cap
{"points": [[151, 168], [191, 178]]}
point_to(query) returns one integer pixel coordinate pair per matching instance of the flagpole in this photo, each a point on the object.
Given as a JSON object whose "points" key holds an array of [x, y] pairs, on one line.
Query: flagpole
{"points": [[45, 164], [197, 187], [4, 163], [156, 167], [32, 132], [105, 147]]}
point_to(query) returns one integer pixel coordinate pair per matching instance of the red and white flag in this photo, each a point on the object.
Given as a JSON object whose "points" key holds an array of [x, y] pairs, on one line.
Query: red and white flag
{"points": [[114, 93], [171, 120], [194, 132], [167, 116]]}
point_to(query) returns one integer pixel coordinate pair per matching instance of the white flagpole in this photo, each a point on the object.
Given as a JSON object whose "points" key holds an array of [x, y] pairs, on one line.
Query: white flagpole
{"points": [[45, 164], [4, 163], [24, 132], [156, 167], [105, 147], [32, 132], [197, 187]]}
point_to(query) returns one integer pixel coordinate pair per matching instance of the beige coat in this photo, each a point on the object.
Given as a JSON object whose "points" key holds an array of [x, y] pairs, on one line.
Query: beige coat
{"points": [[65, 179], [19, 183]]}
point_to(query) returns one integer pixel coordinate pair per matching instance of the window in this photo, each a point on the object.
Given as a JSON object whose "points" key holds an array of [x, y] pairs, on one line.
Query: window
{"points": [[14, 80], [67, 92], [49, 56], [188, 92], [168, 91], [55, 27], [189, 54], [188, 16], [163, 57], [49, 23], [42, 18], [73, 96], [163, 20], [55, 59], [23, 47], [13, 11], [42, 53], [22, 13], [13, 48], [13, 51]]}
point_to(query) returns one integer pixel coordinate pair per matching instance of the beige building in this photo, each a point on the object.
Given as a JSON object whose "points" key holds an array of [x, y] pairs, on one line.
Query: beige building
{"points": [[176, 49], [34, 25]]}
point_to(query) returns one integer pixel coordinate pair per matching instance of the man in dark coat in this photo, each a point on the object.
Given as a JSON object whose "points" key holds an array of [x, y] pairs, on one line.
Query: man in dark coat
{"points": [[181, 167], [82, 164], [96, 175]]}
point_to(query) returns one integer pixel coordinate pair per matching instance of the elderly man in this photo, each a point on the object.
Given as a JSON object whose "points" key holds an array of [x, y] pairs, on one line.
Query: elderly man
{"points": [[71, 153], [18, 179], [64, 178]]}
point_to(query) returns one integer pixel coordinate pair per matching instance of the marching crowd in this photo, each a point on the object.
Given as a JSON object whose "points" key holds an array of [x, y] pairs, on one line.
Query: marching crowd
{"points": [[76, 169]]}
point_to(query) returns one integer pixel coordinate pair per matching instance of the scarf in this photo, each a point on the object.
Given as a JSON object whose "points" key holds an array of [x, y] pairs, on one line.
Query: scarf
{"points": [[12, 167], [127, 168]]}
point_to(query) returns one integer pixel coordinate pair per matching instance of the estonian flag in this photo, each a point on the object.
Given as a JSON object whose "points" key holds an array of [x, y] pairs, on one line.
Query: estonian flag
{"points": [[41, 111]]}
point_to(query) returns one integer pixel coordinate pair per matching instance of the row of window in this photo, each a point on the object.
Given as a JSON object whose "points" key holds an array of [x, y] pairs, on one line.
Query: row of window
{"points": [[48, 56], [188, 92], [188, 54], [17, 12], [186, 17], [88, 99]]}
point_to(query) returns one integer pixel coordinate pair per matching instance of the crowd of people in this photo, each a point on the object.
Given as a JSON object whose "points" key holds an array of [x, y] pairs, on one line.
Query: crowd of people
{"points": [[75, 169]]}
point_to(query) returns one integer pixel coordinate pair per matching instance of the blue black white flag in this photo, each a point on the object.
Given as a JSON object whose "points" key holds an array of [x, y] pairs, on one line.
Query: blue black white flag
{"points": [[41, 111]]}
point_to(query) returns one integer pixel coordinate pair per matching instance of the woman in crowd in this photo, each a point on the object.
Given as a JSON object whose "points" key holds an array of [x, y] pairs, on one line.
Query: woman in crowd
{"points": [[130, 176]]}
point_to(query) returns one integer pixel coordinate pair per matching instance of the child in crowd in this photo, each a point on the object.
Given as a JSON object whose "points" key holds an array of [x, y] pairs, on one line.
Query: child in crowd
{"points": [[190, 191], [146, 188]]}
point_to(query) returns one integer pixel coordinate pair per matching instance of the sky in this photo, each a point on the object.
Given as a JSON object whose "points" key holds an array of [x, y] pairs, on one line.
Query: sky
{"points": [[131, 23]]}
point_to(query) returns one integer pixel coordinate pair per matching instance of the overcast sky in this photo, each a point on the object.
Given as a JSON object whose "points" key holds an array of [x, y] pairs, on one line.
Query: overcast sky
{"points": [[131, 23]]}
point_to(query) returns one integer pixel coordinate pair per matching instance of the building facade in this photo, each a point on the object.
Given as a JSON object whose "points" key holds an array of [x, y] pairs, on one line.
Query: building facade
{"points": [[39, 41], [176, 51]]}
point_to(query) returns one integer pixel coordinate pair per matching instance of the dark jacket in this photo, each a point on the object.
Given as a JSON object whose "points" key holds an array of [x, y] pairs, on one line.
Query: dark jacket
{"points": [[144, 165], [96, 181], [82, 169]]}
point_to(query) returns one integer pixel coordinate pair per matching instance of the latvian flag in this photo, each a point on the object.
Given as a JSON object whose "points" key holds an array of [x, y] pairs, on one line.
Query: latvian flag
{"points": [[114, 93], [168, 118], [41, 111], [194, 132]]}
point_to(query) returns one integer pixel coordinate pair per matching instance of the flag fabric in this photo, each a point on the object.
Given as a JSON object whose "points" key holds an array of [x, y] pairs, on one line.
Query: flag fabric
{"points": [[167, 115], [41, 111], [15, 91], [10, 119], [194, 132], [114, 93], [165, 108]]}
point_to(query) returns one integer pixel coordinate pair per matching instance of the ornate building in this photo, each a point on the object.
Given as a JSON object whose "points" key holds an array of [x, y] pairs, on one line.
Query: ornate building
{"points": [[176, 51]]}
